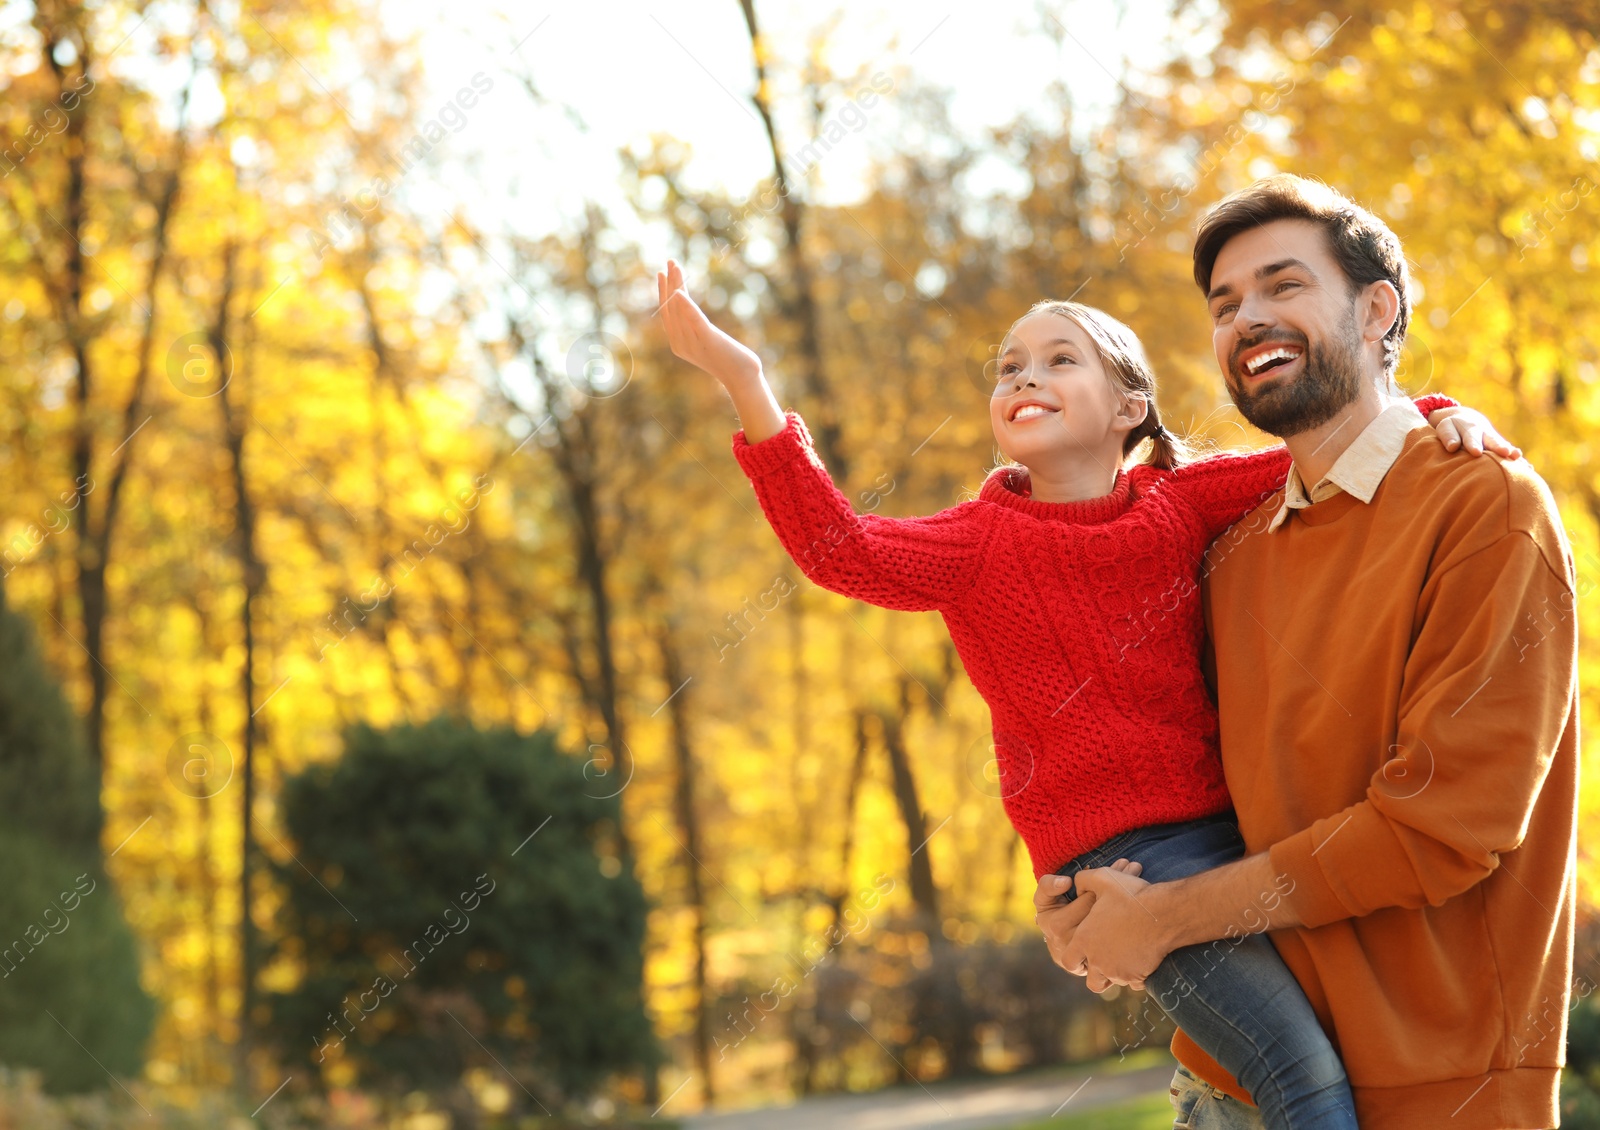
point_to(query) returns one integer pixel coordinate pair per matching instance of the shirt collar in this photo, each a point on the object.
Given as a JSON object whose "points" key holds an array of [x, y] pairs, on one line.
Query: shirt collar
{"points": [[1361, 467]]}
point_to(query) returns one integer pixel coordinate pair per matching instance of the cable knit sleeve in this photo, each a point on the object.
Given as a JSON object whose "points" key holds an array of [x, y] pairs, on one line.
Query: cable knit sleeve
{"points": [[1428, 405], [1224, 488], [910, 564]]}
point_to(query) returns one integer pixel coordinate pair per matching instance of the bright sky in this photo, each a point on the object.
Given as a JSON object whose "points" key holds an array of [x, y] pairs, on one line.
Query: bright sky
{"points": [[614, 73], [629, 70]]}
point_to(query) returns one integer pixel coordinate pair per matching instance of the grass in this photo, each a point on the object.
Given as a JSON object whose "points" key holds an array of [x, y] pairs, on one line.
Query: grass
{"points": [[1149, 1112], [1131, 1061]]}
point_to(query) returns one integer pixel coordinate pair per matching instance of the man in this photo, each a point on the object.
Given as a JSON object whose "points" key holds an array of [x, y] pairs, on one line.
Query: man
{"points": [[1394, 654]]}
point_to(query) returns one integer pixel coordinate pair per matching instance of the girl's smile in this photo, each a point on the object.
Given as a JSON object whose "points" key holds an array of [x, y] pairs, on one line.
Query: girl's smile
{"points": [[1032, 410]]}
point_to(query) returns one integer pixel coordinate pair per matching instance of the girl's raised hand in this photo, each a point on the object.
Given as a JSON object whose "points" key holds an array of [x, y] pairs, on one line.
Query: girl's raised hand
{"points": [[693, 338]]}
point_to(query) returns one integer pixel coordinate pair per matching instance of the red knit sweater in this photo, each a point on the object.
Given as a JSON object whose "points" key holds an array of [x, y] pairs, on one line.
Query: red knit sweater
{"points": [[1078, 622]]}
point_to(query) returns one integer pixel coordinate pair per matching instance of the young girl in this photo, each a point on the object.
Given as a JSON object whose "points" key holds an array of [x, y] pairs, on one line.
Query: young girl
{"points": [[1069, 589]]}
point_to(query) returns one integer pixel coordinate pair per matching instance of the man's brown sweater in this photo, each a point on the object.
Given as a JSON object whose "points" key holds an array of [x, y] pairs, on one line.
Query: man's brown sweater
{"points": [[1397, 683]]}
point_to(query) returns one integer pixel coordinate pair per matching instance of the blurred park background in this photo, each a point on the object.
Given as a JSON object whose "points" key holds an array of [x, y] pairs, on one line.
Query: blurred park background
{"points": [[406, 716]]}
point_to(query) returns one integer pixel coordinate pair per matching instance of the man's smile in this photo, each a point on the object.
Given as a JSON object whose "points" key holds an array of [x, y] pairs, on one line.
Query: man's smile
{"points": [[1269, 357]]}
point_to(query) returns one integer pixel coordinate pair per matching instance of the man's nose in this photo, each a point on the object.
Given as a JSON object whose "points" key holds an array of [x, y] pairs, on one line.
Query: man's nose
{"points": [[1254, 314]]}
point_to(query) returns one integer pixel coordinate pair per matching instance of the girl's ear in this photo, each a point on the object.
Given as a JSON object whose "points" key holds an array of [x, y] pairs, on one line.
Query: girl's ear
{"points": [[1132, 409]]}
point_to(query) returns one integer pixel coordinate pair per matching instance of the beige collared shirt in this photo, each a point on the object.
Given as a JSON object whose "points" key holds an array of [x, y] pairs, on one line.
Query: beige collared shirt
{"points": [[1362, 466]]}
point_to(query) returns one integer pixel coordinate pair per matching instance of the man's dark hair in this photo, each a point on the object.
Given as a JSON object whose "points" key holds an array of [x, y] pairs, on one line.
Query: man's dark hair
{"points": [[1362, 244]]}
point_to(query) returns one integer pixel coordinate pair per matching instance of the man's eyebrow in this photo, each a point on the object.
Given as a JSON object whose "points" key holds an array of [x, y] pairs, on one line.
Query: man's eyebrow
{"points": [[1282, 265], [1261, 273]]}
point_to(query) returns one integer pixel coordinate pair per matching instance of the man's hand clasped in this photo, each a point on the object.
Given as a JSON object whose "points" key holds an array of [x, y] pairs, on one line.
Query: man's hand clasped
{"points": [[1106, 935]]}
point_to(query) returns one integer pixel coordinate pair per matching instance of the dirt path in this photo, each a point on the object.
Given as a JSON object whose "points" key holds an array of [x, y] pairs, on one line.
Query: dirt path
{"points": [[977, 1105]]}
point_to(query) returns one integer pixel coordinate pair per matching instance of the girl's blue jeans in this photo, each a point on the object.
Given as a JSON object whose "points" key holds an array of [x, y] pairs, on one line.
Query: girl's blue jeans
{"points": [[1235, 997]]}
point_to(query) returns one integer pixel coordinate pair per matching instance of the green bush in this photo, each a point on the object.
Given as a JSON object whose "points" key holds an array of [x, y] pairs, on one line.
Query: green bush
{"points": [[69, 969], [458, 899], [1580, 1082], [69, 975], [47, 782]]}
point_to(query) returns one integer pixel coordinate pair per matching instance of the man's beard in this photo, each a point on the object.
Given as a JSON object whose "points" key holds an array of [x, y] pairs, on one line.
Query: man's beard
{"points": [[1330, 381]]}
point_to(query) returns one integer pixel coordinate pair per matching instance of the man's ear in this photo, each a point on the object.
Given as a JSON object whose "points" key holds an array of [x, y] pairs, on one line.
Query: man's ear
{"points": [[1379, 307]]}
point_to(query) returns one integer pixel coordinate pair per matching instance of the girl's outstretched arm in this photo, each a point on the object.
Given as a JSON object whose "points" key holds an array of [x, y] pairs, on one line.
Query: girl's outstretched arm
{"points": [[905, 563]]}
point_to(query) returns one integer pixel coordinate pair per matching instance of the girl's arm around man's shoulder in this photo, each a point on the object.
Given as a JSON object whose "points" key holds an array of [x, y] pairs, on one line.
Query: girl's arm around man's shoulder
{"points": [[1225, 486]]}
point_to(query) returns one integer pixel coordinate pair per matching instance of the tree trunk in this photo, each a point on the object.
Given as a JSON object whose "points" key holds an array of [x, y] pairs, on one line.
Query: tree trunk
{"points": [[206, 1056], [924, 895], [93, 540], [576, 460], [806, 1057], [253, 574], [689, 828], [858, 770], [821, 413]]}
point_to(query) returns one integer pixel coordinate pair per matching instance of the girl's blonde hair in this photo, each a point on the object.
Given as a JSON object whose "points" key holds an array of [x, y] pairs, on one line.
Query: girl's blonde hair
{"points": [[1122, 356]]}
